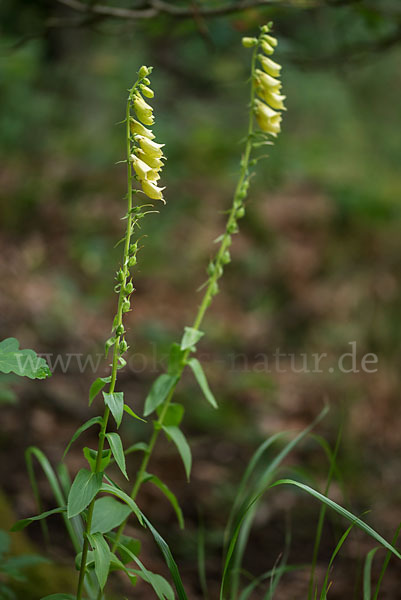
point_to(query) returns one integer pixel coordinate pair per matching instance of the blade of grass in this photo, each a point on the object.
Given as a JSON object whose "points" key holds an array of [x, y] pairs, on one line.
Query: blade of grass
{"points": [[257, 492], [367, 573], [322, 513], [337, 549], [385, 563]]}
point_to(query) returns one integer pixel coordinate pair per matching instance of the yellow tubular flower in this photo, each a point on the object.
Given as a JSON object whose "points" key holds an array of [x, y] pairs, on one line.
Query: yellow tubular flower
{"points": [[143, 110], [140, 167], [152, 191], [153, 175], [266, 81], [269, 66], [268, 119], [138, 129], [274, 100], [155, 163], [149, 147]]}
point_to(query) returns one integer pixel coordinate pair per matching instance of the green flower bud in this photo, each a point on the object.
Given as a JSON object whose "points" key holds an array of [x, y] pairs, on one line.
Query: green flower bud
{"points": [[240, 212], [126, 306], [132, 261], [120, 276], [123, 346], [120, 330], [249, 42], [146, 91], [143, 72], [129, 288]]}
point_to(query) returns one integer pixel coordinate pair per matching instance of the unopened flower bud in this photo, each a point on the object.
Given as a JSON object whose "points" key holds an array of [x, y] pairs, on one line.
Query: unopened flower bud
{"points": [[143, 72], [146, 91], [249, 42]]}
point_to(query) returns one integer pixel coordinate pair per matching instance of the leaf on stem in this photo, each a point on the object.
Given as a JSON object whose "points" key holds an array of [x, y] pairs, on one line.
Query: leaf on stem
{"points": [[202, 381], [173, 415], [108, 513], [190, 338], [84, 427], [102, 557], [22, 523], [175, 434], [97, 387], [159, 392], [115, 402], [116, 446], [84, 488], [168, 493]]}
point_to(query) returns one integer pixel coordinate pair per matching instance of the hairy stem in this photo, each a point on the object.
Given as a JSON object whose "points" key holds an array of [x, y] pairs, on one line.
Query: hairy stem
{"points": [[116, 352]]}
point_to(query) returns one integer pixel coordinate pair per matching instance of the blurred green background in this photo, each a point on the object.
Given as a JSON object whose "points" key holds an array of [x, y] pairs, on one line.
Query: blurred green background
{"points": [[315, 267]]}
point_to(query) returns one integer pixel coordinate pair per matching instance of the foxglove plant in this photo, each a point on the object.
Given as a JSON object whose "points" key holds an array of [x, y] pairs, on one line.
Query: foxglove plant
{"points": [[94, 517]]}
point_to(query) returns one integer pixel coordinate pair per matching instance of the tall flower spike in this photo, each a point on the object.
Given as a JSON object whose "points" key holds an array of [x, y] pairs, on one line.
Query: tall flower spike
{"points": [[146, 155], [267, 83]]}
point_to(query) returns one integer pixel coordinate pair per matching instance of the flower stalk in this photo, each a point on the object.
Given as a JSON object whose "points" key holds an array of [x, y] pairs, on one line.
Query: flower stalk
{"points": [[269, 125], [124, 286]]}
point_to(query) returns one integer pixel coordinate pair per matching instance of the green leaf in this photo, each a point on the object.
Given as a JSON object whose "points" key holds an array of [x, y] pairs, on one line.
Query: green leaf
{"points": [[132, 546], [102, 557], [175, 360], [190, 338], [168, 493], [84, 427], [25, 363], [108, 513], [114, 491], [91, 457], [118, 451], [160, 585], [159, 392], [97, 387], [367, 574], [341, 511], [115, 402], [182, 446], [174, 414], [138, 447], [168, 557], [84, 488], [202, 381], [25, 522], [131, 413]]}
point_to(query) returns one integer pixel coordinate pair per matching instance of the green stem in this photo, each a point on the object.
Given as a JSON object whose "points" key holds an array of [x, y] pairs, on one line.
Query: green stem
{"points": [[116, 353], [207, 297]]}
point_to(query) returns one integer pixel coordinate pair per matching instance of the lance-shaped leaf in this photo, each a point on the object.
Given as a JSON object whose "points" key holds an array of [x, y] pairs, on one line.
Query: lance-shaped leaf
{"points": [[84, 427], [182, 445], [159, 392], [190, 338], [84, 488], [102, 557], [168, 493], [202, 381], [25, 522], [118, 451], [115, 402], [97, 387], [25, 363]]}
